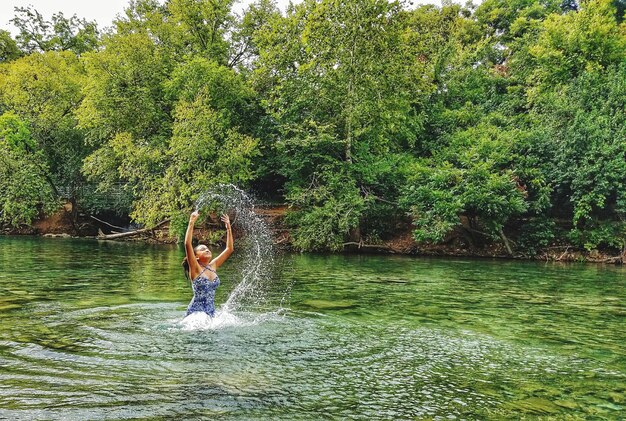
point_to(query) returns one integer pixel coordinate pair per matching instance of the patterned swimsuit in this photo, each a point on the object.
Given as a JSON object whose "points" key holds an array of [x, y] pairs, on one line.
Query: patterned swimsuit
{"points": [[203, 293]]}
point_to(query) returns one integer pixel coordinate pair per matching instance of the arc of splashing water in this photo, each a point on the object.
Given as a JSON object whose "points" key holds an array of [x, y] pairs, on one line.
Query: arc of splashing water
{"points": [[258, 259]]}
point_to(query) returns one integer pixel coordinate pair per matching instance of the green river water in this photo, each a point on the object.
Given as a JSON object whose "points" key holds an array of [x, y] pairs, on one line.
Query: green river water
{"points": [[92, 330]]}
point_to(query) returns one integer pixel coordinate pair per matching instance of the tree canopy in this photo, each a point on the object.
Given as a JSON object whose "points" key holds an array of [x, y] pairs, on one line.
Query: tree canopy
{"points": [[498, 123]]}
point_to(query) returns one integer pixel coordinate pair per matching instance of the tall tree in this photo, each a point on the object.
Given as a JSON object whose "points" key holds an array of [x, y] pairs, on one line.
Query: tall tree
{"points": [[44, 90], [58, 34], [335, 82], [243, 46], [577, 93], [24, 190], [8, 47], [160, 104], [202, 26]]}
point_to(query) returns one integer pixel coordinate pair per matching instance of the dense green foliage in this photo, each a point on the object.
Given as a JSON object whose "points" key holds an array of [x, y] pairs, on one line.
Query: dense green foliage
{"points": [[24, 190], [503, 123], [58, 34]]}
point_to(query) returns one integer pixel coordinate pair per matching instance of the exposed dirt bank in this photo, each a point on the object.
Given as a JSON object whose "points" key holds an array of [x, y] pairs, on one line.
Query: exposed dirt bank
{"points": [[62, 224]]}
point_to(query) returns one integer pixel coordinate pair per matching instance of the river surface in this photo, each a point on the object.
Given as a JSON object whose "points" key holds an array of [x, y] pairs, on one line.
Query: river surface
{"points": [[93, 330]]}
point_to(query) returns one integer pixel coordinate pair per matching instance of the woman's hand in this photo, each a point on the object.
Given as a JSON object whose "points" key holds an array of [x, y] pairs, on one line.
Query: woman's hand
{"points": [[226, 220], [194, 216]]}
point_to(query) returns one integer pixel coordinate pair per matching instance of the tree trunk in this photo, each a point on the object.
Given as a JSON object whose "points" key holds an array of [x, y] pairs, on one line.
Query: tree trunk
{"points": [[74, 214], [506, 242]]}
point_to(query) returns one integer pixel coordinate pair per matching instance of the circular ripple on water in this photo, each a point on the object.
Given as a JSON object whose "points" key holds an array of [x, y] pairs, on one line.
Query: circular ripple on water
{"points": [[143, 360], [111, 362]]}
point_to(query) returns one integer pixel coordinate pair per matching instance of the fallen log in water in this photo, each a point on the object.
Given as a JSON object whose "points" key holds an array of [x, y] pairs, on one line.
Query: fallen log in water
{"points": [[102, 236]]}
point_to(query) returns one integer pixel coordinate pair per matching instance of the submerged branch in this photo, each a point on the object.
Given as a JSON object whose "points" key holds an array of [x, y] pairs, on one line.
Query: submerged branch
{"points": [[370, 246]]}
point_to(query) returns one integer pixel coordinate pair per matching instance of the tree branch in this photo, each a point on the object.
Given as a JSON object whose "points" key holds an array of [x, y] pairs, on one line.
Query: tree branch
{"points": [[106, 223]]}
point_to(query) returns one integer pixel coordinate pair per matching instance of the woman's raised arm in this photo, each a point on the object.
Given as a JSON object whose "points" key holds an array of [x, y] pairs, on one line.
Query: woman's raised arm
{"points": [[194, 267], [230, 244]]}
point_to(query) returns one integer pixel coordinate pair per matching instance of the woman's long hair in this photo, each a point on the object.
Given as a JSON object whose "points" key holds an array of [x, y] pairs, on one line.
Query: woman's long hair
{"points": [[186, 268], [186, 263]]}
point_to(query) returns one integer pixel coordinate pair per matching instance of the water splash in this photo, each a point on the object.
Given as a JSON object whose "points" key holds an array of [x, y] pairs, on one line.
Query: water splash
{"points": [[225, 319], [254, 244]]}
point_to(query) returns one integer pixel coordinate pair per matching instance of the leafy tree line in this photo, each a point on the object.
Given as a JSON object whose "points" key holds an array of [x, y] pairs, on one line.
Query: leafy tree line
{"points": [[501, 123]]}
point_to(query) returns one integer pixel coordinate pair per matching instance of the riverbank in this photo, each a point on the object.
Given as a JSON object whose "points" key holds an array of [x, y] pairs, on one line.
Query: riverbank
{"points": [[65, 224]]}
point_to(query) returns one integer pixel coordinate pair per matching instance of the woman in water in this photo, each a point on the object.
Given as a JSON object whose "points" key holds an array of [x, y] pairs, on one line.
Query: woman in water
{"points": [[200, 268]]}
